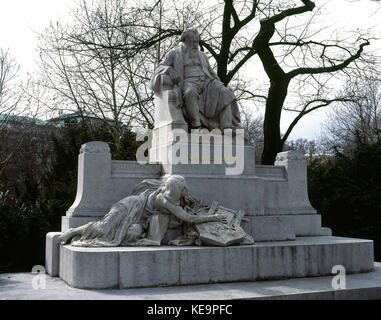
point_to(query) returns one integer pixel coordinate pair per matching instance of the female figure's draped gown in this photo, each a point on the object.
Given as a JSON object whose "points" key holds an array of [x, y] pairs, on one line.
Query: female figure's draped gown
{"points": [[112, 230]]}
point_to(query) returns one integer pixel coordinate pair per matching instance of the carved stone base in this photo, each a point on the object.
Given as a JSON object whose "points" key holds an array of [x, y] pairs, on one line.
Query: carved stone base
{"points": [[284, 227], [74, 222], [132, 267]]}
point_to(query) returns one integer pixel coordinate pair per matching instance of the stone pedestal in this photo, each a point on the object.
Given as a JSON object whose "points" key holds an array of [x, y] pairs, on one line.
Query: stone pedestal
{"points": [[52, 253], [290, 241], [94, 168], [134, 267], [294, 163]]}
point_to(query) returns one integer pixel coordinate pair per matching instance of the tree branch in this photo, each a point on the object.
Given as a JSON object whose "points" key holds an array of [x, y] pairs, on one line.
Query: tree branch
{"points": [[308, 6], [333, 68], [304, 111]]}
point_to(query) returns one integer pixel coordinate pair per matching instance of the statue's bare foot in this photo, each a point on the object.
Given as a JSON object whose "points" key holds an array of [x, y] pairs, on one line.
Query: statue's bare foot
{"points": [[64, 238]]}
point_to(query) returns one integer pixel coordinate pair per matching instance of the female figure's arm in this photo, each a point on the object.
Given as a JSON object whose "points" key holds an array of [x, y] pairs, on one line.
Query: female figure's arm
{"points": [[181, 214]]}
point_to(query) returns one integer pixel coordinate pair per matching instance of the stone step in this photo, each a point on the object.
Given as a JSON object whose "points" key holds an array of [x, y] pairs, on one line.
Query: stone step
{"points": [[134, 267], [361, 286]]}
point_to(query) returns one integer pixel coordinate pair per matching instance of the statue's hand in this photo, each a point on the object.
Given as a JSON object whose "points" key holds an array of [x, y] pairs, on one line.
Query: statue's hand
{"points": [[173, 75], [189, 210], [220, 218]]}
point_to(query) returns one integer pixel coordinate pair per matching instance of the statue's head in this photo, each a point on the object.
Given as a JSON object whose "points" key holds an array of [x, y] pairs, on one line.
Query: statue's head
{"points": [[190, 37], [175, 188]]}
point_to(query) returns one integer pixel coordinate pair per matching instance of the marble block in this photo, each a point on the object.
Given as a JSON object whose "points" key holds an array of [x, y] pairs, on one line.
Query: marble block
{"points": [[52, 253], [132, 267]]}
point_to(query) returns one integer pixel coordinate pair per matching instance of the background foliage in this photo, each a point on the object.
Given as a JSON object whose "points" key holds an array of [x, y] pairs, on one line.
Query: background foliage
{"points": [[28, 213], [346, 191]]}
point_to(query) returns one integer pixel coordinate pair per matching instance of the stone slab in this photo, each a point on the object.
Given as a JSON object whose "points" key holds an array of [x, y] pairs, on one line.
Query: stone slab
{"points": [[284, 227], [309, 225], [89, 268], [270, 228], [303, 257], [74, 222], [210, 162], [142, 268], [361, 286], [52, 253]]}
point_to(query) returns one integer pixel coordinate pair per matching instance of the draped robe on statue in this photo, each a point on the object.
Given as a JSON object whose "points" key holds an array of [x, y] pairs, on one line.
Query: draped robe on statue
{"points": [[111, 231], [137, 212]]}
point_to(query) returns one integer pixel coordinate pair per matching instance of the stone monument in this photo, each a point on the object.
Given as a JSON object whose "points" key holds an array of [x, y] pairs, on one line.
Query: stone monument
{"points": [[135, 225]]}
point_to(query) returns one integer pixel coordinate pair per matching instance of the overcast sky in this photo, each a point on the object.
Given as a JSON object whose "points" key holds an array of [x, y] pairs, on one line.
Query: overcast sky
{"points": [[21, 19]]}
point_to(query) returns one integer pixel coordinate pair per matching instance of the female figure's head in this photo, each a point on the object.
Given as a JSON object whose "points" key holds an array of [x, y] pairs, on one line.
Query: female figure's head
{"points": [[175, 188]]}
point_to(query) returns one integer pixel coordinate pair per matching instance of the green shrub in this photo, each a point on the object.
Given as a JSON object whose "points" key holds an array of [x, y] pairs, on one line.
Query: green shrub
{"points": [[21, 227], [26, 215], [346, 191]]}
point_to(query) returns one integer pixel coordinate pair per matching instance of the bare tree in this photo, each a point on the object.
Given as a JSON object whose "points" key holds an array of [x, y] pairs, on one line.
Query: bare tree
{"points": [[10, 91], [312, 149], [19, 113], [253, 126], [316, 58], [93, 79], [279, 37], [357, 121], [11, 95]]}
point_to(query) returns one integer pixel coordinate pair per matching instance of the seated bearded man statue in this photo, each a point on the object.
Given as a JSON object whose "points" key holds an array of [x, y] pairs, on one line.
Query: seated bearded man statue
{"points": [[205, 101]]}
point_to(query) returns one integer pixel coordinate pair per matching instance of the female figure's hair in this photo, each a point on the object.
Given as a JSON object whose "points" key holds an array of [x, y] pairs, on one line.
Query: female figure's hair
{"points": [[164, 185], [174, 188]]}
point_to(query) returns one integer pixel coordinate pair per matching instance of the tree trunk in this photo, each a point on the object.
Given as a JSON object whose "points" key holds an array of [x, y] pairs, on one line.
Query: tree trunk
{"points": [[227, 37], [271, 126]]}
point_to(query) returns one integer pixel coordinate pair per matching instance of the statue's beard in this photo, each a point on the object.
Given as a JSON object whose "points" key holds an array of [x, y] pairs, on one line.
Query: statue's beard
{"points": [[192, 52]]}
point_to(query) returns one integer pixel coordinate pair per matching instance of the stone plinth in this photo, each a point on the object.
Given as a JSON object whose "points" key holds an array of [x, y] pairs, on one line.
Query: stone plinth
{"points": [[52, 253], [211, 153], [294, 163], [133, 267], [167, 113]]}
